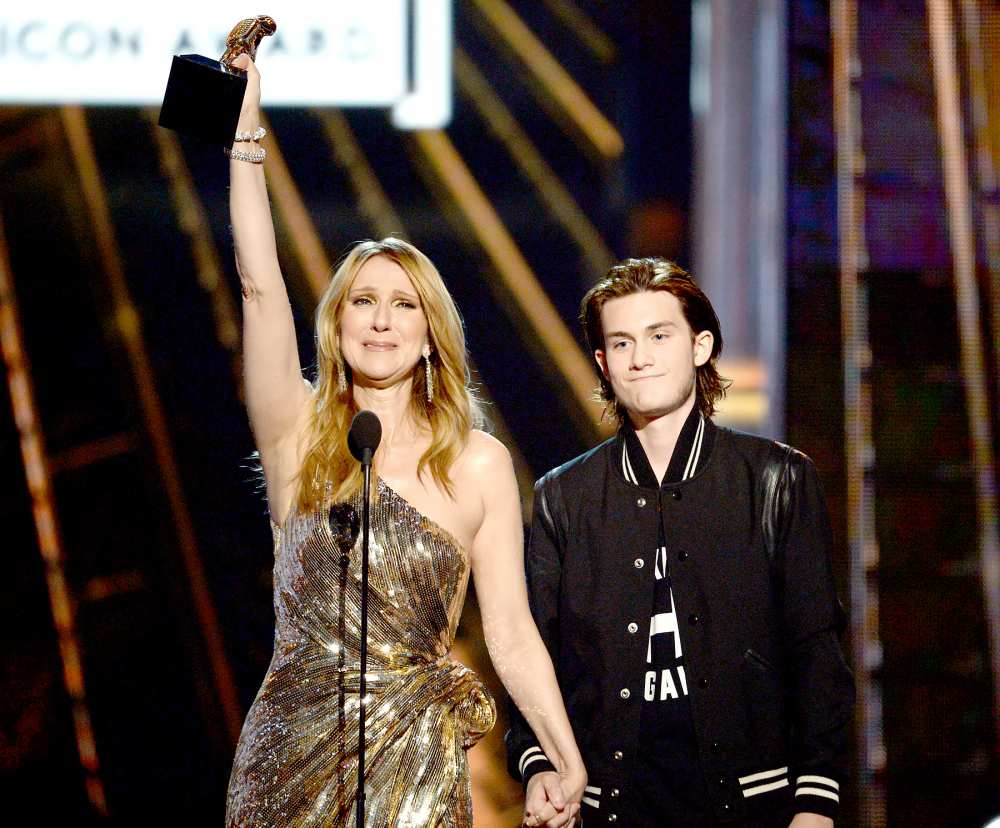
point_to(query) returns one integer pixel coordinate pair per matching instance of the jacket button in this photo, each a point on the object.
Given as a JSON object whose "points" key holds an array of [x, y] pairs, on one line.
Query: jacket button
{"points": [[726, 807], [624, 693], [721, 781], [618, 755], [640, 502], [633, 627], [612, 817], [614, 793], [676, 494], [703, 683], [682, 555], [716, 747], [694, 618], [639, 563]]}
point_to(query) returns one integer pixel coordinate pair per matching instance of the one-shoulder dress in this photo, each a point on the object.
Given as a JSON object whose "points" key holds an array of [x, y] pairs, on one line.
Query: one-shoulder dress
{"points": [[296, 761]]}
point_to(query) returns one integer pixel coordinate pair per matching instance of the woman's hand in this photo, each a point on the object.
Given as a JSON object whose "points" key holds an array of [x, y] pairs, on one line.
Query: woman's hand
{"points": [[250, 111]]}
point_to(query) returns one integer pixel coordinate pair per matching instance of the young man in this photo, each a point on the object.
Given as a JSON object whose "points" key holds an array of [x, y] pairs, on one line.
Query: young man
{"points": [[680, 576]]}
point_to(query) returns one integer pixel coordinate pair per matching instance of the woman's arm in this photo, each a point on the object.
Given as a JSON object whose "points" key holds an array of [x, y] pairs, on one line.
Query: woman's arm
{"points": [[516, 649], [526, 760], [275, 392]]}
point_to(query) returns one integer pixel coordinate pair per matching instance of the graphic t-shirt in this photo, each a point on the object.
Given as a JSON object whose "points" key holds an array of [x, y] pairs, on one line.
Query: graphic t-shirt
{"points": [[668, 786]]}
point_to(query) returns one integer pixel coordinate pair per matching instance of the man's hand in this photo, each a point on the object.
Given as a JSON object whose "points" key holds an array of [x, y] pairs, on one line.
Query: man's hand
{"points": [[551, 800], [811, 821]]}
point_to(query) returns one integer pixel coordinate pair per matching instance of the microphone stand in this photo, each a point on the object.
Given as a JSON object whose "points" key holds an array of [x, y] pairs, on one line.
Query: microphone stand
{"points": [[366, 468]]}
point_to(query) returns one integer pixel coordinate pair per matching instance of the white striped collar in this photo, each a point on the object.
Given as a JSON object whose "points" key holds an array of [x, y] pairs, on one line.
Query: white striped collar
{"points": [[690, 453]]}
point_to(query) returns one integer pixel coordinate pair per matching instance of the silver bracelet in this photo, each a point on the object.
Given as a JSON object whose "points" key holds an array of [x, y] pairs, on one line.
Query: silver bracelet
{"points": [[256, 135], [255, 157]]}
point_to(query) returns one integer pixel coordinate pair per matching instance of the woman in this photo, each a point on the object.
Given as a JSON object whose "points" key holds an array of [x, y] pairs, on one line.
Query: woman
{"points": [[389, 339]]}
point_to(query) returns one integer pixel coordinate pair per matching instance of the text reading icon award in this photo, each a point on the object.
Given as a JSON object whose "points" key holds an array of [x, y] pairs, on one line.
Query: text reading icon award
{"points": [[204, 96]]}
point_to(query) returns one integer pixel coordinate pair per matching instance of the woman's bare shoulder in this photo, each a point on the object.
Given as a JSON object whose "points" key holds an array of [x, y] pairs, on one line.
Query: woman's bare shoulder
{"points": [[484, 452], [483, 478], [483, 461]]}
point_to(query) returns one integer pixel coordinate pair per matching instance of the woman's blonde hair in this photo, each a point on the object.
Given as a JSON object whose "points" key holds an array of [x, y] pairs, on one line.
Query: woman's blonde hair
{"points": [[329, 473]]}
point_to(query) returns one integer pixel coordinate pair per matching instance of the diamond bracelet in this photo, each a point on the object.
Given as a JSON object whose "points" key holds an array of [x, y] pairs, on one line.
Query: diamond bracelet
{"points": [[255, 157]]}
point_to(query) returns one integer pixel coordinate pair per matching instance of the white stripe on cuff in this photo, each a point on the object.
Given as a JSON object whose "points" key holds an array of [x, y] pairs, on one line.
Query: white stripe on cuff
{"points": [[756, 777], [593, 790], [817, 792], [522, 764], [770, 786], [539, 757], [593, 803], [820, 780]]}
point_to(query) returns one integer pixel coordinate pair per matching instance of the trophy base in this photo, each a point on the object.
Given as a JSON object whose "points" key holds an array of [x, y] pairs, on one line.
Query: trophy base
{"points": [[203, 99]]}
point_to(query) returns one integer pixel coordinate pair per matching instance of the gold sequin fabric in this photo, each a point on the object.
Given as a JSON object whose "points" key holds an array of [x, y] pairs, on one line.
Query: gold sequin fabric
{"points": [[296, 761]]}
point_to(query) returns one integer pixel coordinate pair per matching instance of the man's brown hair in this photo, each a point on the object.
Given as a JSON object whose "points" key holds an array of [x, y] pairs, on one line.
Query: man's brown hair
{"points": [[639, 275]]}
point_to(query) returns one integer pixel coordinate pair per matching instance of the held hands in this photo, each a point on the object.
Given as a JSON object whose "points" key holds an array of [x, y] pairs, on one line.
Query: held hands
{"points": [[553, 799]]}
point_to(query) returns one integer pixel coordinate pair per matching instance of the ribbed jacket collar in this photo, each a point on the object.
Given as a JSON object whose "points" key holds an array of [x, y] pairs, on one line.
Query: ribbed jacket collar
{"points": [[694, 446]]}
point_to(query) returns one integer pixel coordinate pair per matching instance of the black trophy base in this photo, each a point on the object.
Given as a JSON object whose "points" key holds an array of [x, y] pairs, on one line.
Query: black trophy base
{"points": [[203, 99]]}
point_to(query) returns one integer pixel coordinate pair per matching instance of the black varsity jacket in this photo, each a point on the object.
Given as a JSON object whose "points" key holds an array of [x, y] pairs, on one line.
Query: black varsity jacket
{"points": [[748, 543]]}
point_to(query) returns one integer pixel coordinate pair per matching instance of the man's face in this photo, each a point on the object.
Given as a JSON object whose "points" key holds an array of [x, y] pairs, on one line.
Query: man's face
{"points": [[650, 353]]}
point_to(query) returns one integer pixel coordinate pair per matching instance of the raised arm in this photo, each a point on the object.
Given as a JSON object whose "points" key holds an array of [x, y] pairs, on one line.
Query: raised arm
{"points": [[519, 656], [275, 392]]}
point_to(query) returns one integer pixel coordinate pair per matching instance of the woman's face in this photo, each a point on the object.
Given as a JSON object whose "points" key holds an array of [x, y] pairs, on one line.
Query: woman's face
{"points": [[383, 328]]}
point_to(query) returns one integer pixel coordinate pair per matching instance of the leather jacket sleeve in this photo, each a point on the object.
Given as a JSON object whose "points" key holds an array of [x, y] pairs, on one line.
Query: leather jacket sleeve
{"points": [[543, 569], [821, 686]]}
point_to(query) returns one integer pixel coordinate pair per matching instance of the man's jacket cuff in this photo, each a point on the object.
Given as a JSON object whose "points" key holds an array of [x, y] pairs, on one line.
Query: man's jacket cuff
{"points": [[817, 794], [533, 761]]}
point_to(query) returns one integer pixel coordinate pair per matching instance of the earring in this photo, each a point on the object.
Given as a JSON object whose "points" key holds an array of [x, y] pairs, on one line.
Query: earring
{"points": [[429, 377], [341, 367], [341, 376]]}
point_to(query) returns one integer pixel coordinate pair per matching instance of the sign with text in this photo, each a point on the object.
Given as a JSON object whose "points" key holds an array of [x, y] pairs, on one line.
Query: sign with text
{"points": [[384, 53]]}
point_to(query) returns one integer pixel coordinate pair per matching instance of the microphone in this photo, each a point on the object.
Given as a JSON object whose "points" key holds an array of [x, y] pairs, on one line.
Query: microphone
{"points": [[363, 439], [364, 436]]}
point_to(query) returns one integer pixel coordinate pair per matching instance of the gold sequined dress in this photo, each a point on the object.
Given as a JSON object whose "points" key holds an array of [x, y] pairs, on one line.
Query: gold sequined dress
{"points": [[296, 761]]}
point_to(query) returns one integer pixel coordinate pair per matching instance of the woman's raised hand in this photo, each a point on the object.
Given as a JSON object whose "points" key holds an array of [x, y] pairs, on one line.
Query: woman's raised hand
{"points": [[250, 111]]}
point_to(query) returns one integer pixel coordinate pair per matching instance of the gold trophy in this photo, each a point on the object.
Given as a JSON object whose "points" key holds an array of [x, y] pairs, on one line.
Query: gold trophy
{"points": [[204, 96]]}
